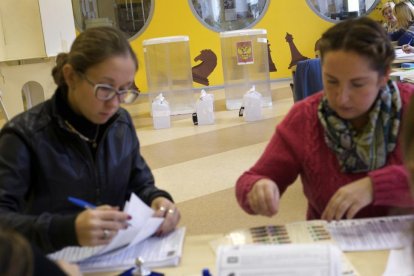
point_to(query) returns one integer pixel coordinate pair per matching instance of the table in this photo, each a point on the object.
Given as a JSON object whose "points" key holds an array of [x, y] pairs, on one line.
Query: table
{"points": [[197, 255]]}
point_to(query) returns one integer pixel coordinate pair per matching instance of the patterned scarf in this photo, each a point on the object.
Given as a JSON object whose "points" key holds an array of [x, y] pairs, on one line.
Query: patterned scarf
{"points": [[367, 149]]}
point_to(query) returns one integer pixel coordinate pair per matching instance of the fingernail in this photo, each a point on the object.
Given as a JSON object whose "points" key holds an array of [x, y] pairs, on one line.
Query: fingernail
{"points": [[129, 217]]}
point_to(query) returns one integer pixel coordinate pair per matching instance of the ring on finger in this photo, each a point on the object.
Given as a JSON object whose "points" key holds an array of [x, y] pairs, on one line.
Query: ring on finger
{"points": [[106, 234]]}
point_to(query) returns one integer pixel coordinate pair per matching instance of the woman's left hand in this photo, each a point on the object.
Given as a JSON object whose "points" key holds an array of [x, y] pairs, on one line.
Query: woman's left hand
{"points": [[165, 208], [349, 199]]}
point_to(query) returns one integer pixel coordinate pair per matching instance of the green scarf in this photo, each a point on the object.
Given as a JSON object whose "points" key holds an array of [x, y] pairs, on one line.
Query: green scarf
{"points": [[367, 149]]}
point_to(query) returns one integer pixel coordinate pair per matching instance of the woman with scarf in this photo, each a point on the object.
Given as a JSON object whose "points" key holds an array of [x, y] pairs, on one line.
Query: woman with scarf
{"points": [[344, 141]]}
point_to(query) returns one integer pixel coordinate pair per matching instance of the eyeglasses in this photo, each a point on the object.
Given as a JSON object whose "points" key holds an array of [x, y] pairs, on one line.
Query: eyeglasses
{"points": [[106, 92]]}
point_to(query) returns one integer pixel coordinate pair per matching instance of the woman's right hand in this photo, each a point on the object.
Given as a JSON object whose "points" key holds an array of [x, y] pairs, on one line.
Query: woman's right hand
{"points": [[264, 197], [98, 226], [407, 49]]}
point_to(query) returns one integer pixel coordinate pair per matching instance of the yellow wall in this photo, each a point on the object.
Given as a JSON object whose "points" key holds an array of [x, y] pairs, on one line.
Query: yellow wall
{"points": [[174, 17]]}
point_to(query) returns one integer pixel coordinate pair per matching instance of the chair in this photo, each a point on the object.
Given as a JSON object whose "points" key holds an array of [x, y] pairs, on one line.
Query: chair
{"points": [[307, 78]]}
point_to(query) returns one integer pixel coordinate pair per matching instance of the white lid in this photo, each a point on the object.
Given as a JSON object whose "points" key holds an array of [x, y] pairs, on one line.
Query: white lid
{"points": [[243, 32], [166, 39]]}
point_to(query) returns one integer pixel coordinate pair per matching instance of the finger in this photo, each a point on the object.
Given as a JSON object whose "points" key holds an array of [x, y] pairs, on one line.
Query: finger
{"points": [[171, 220], [271, 202], [341, 209], [107, 207], [113, 225], [328, 213], [113, 215], [353, 210], [160, 212]]}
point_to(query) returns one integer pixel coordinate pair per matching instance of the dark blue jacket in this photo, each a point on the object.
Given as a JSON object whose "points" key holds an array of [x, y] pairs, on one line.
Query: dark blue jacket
{"points": [[42, 163]]}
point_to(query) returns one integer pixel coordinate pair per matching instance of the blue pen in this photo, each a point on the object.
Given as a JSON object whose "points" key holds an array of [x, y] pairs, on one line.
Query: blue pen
{"points": [[81, 203], [84, 204]]}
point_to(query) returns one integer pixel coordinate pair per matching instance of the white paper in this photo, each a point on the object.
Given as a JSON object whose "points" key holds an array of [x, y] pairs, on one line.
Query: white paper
{"points": [[142, 225], [401, 262], [155, 252], [281, 260], [372, 233], [399, 54], [382, 233]]}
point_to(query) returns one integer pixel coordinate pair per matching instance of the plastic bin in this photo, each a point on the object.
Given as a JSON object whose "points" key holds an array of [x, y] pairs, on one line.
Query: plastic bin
{"points": [[245, 63], [168, 69]]}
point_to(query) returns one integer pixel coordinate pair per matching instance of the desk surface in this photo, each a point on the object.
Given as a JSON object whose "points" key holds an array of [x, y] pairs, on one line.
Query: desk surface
{"points": [[198, 254]]}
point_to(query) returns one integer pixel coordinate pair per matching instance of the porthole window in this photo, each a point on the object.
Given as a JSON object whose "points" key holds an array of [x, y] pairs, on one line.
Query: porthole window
{"points": [[337, 10], [130, 16], [228, 15]]}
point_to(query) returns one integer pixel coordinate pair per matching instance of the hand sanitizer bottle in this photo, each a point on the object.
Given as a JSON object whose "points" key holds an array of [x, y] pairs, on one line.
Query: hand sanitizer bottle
{"points": [[205, 108], [252, 103], [161, 112]]}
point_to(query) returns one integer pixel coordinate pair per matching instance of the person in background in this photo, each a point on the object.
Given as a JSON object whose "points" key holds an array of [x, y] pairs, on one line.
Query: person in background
{"points": [[390, 24], [19, 258], [404, 12], [347, 151], [79, 143]]}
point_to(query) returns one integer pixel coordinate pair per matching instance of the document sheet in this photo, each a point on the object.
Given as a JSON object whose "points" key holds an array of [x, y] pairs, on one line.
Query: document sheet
{"points": [[154, 251], [350, 235], [401, 262], [281, 260], [399, 54], [372, 233], [142, 225]]}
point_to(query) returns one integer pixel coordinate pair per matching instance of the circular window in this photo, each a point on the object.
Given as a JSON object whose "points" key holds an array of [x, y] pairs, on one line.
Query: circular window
{"points": [[130, 16], [337, 10], [227, 15]]}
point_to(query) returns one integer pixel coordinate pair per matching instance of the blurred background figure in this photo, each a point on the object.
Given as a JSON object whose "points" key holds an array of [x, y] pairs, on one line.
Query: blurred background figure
{"points": [[390, 21]]}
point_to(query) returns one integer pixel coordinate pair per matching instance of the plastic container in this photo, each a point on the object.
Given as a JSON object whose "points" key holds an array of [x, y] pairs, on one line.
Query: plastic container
{"points": [[252, 105], [161, 112], [168, 69], [205, 109], [245, 63]]}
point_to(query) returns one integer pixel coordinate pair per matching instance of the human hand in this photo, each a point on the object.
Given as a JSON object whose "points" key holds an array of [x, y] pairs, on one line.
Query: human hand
{"points": [[407, 49], [349, 199], [98, 226], [68, 268], [165, 208], [263, 198]]}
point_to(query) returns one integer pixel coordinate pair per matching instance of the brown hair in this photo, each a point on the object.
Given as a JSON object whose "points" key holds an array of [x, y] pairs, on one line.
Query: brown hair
{"points": [[404, 12], [90, 48], [16, 257], [363, 36]]}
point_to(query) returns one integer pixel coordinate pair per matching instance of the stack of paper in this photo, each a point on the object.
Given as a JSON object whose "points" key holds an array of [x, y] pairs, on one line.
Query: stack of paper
{"points": [[155, 252], [129, 244]]}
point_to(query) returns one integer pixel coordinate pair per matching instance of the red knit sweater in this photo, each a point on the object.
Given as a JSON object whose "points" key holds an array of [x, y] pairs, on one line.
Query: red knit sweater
{"points": [[298, 148]]}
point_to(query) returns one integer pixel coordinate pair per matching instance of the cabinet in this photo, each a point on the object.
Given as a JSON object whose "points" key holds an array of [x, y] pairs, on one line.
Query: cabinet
{"points": [[35, 28]]}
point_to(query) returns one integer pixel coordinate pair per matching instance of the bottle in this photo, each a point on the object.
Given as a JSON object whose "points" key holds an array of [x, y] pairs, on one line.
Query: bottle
{"points": [[252, 106], [205, 109], [161, 112]]}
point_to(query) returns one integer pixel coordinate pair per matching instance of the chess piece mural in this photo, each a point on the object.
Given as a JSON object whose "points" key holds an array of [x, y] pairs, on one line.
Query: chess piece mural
{"points": [[296, 56], [272, 66], [205, 68]]}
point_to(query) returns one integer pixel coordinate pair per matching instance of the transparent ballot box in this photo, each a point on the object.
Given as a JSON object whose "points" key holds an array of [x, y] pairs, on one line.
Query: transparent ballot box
{"points": [[168, 68], [245, 63]]}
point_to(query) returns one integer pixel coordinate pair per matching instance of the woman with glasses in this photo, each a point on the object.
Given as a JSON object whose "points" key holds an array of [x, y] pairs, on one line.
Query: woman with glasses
{"points": [[80, 144], [347, 152]]}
